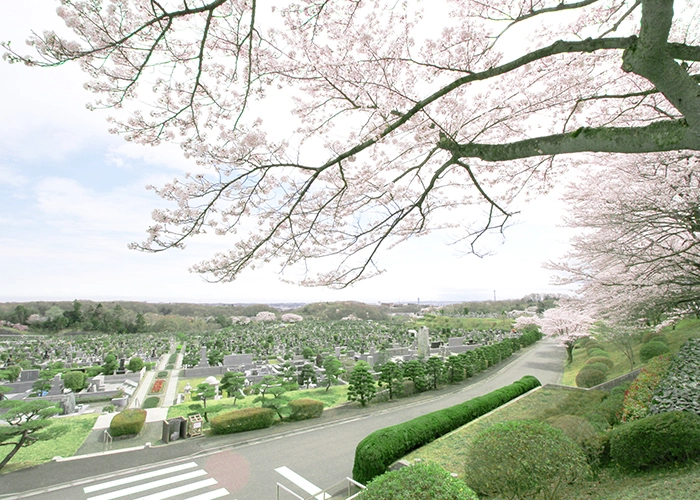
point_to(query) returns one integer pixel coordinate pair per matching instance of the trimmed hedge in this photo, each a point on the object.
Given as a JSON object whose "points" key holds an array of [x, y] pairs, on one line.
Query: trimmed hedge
{"points": [[602, 367], [521, 459], [652, 349], [419, 481], [151, 402], [247, 419], [589, 377], [380, 449], [127, 422], [597, 352], [601, 359], [305, 408], [656, 440]]}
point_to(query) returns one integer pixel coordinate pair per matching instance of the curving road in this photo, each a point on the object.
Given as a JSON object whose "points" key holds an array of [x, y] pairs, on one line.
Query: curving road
{"points": [[249, 466]]}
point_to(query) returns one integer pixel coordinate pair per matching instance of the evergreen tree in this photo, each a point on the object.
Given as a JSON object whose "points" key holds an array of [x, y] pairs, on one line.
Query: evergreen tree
{"points": [[391, 376], [361, 385]]}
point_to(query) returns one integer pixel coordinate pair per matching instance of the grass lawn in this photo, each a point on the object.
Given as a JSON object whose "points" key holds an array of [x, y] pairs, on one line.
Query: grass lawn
{"points": [[76, 430], [449, 451], [333, 397], [688, 328]]}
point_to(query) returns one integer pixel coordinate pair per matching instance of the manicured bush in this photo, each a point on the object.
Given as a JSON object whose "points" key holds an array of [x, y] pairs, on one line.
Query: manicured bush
{"points": [[151, 402], [305, 408], [127, 422], [596, 351], [408, 389], [638, 396], [592, 344], [589, 377], [598, 366], [247, 419], [383, 447], [162, 374], [611, 407], [581, 432], [601, 359], [520, 459], [425, 480], [654, 336], [656, 440], [652, 349]]}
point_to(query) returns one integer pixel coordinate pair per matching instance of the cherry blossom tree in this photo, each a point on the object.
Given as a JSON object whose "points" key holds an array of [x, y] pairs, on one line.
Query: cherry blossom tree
{"points": [[638, 252], [332, 129], [568, 323]]}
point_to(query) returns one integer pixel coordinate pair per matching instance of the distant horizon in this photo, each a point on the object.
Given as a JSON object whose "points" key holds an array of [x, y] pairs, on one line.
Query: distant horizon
{"points": [[276, 303]]}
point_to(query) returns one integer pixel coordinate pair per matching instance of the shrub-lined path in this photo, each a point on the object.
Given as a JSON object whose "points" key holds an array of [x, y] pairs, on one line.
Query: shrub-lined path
{"points": [[321, 450]]}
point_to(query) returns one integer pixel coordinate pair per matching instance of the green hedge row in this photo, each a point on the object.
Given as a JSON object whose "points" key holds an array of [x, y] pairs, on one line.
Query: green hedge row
{"points": [[247, 419], [656, 440], [305, 408], [127, 422], [375, 453]]}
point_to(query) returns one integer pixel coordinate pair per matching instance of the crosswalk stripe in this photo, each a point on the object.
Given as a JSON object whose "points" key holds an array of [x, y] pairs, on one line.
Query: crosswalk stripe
{"points": [[302, 483], [211, 495], [162, 495], [138, 477], [149, 486]]}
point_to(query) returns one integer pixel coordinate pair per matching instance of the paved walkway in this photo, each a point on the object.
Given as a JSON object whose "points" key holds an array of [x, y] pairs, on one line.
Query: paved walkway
{"points": [[171, 392]]}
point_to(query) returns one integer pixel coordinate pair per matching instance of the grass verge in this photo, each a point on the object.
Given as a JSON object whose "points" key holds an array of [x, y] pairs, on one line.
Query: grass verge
{"points": [[76, 430], [335, 396]]}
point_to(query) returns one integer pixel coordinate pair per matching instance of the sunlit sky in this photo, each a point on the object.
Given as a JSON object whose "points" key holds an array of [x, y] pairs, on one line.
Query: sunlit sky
{"points": [[73, 197]]}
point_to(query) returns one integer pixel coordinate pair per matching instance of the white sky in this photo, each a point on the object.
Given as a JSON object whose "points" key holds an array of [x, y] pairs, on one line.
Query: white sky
{"points": [[73, 196]]}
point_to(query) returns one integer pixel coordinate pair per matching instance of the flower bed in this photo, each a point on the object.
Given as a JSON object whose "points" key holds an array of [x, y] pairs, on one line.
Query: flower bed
{"points": [[157, 386]]}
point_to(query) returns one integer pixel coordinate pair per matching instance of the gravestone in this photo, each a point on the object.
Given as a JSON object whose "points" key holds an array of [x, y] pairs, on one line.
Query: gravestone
{"points": [[423, 342], [28, 375], [57, 386], [337, 352], [68, 404], [203, 361]]}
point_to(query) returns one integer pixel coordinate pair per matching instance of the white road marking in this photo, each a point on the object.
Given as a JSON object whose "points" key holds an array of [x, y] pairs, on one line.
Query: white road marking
{"points": [[302, 483], [138, 477], [211, 495], [149, 486], [162, 495]]}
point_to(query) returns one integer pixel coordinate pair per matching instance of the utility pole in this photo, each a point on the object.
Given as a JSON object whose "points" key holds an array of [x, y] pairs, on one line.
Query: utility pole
{"points": [[494, 295]]}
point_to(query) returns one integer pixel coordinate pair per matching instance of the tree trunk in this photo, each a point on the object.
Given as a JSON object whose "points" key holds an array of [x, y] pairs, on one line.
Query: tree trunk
{"points": [[12, 453]]}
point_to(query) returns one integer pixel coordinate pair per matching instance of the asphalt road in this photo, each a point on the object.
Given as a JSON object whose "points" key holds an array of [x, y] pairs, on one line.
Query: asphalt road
{"points": [[249, 466]]}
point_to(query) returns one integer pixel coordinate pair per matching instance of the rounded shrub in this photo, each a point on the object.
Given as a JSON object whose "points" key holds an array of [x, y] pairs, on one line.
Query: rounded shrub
{"points": [[247, 419], [423, 480], [592, 344], [601, 359], [652, 349], [655, 337], [656, 440], [589, 377], [598, 366], [151, 402], [581, 432], [305, 408], [597, 351], [519, 459], [127, 422]]}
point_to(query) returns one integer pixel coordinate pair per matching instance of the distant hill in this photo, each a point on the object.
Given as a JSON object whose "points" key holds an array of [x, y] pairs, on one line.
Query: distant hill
{"points": [[340, 310]]}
